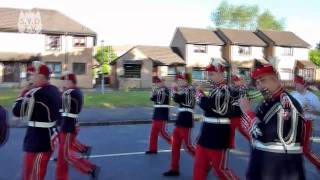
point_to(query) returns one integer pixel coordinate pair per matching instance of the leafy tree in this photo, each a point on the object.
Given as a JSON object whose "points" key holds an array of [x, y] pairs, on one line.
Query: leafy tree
{"points": [[104, 56], [315, 56], [244, 17], [267, 21]]}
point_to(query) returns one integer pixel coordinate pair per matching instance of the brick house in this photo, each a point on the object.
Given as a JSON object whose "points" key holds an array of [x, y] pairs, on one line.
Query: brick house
{"points": [[62, 43]]}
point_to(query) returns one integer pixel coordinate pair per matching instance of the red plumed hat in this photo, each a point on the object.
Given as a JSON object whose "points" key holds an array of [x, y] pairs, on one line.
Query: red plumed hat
{"points": [[39, 68], [262, 71], [156, 79], [69, 76]]}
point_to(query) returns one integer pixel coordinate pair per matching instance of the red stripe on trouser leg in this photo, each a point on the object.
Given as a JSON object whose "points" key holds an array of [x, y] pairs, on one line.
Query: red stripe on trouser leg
{"points": [[35, 165], [218, 160], [201, 164], [180, 134], [78, 146], [219, 164], [157, 127], [68, 156], [164, 133]]}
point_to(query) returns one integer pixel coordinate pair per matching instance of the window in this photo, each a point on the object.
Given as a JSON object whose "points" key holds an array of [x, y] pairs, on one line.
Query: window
{"points": [[53, 42], [79, 68], [198, 73], [79, 41], [55, 68], [287, 51], [244, 50], [308, 74], [132, 71], [200, 48], [172, 70]]}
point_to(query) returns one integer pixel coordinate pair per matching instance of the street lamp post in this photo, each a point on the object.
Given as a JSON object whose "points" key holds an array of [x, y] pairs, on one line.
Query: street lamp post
{"points": [[102, 75]]}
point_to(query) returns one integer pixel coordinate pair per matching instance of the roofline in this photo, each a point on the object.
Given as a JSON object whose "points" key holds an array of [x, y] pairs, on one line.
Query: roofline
{"points": [[195, 43], [13, 30], [115, 60], [263, 34], [275, 44]]}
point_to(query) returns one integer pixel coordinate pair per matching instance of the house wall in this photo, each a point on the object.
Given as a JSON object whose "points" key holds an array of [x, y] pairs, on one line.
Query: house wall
{"points": [[85, 56], [194, 59], [179, 42], [36, 43], [146, 71], [256, 53], [289, 62], [298, 53]]}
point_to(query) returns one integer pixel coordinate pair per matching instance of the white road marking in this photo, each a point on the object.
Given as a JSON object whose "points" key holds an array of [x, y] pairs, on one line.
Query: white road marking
{"points": [[233, 151]]}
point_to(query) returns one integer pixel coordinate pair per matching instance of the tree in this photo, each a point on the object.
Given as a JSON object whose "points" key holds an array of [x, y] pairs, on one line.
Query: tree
{"points": [[266, 21], [104, 56], [315, 56], [244, 17]]}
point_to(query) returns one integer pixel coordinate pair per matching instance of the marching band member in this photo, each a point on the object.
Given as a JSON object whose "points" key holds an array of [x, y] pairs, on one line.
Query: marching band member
{"points": [[4, 126], [72, 101], [310, 104], [161, 98], [184, 96], [216, 135], [39, 102], [276, 128]]}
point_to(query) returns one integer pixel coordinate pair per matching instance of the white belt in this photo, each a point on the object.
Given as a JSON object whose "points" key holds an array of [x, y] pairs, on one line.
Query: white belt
{"points": [[70, 115], [278, 147], [216, 120], [185, 109], [41, 124], [161, 106]]}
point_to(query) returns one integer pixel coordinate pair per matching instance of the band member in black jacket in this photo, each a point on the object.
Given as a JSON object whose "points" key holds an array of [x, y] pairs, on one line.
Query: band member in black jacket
{"points": [[4, 126], [184, 96], [276, 128], [216, 133], [39, 103], [72, 101], [160, 95]]}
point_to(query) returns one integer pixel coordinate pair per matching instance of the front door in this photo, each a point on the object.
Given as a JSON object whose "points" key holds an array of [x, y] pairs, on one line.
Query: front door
{"points": [[11, 72]]}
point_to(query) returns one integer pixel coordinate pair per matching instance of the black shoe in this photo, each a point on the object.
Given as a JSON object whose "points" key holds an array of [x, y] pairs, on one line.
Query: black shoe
{"points": [[86, 154], [151, 152], [94, 175], [171, 173], [55, 159]]}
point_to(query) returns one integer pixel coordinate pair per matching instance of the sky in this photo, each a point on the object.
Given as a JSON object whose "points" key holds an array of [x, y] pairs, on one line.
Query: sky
{"points": [[153, 22]]}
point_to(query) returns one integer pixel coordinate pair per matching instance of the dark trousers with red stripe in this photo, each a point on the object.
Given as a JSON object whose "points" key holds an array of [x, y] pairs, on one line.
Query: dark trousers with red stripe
{"points": [[77, 145], [180, 134], [158, 127], [35, 165], [67, 155], [217, 159]]}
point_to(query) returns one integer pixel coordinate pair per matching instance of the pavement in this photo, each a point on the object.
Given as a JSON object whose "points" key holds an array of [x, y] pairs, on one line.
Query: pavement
{"points": [[119, 150]]}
